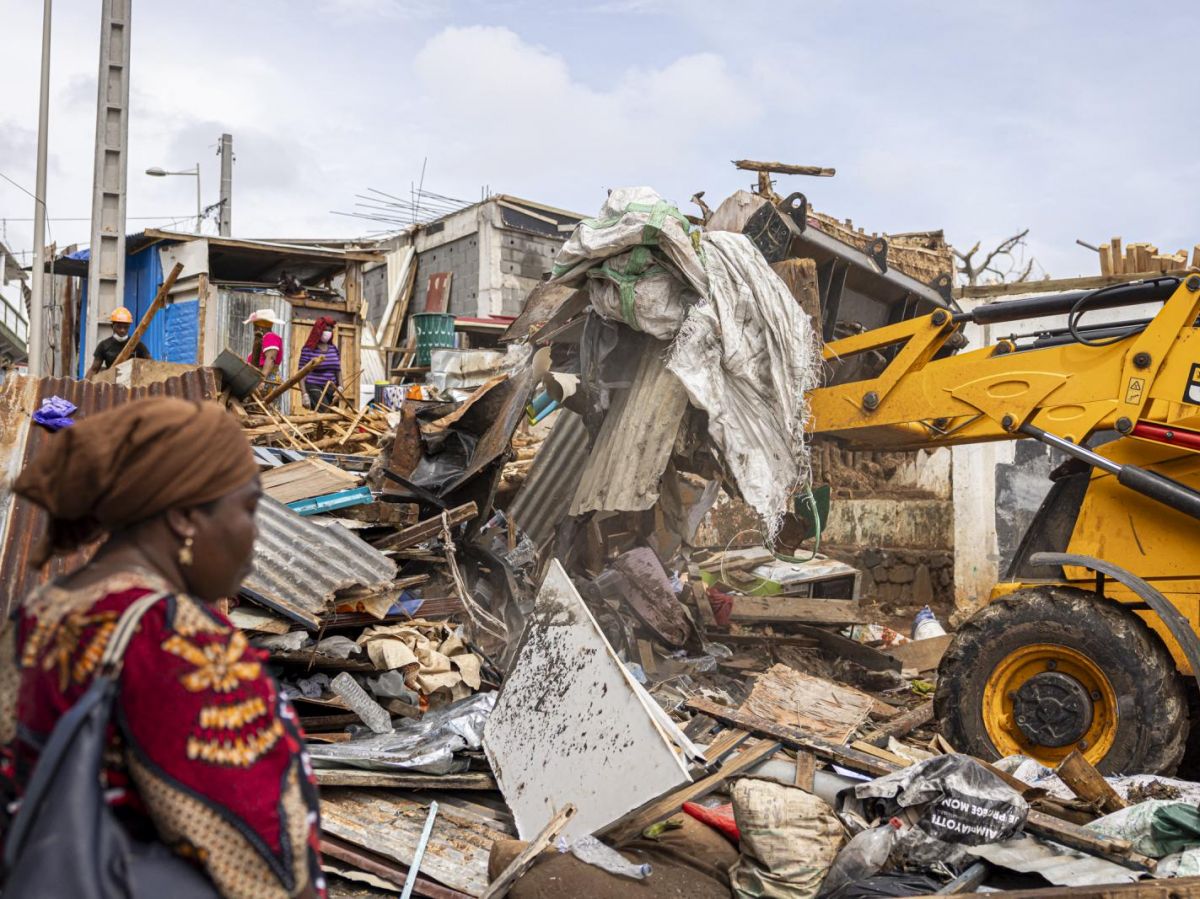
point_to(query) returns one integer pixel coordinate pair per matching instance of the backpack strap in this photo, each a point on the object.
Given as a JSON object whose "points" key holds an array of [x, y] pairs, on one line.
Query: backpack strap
{"points": [[127, 625]]}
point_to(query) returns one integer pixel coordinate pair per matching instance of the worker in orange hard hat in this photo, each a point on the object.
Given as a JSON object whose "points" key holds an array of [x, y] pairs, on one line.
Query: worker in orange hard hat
{"points": [[108, 349]]}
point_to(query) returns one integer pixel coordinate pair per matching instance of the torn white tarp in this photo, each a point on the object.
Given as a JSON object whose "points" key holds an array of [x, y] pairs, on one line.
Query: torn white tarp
{"points": [[571, 725], [743, 349]]}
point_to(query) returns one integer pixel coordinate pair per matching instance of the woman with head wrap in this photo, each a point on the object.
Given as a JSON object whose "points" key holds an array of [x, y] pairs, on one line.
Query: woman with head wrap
{"points": [[320, 383], [207, 756]]}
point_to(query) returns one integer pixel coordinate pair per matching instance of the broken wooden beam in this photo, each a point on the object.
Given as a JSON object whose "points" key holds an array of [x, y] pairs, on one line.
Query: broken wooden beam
{"points": [[1075, 837], [523, 862], [394, 514], [629, 827], [160, 300], [922, 655], [427, 529], [902, 725], [1089, 784], [783, 168], [403, 780], [790, 609], [292, 381], [793, 737]]}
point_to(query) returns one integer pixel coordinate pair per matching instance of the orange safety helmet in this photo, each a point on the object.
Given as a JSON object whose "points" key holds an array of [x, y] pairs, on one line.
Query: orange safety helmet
{"points": [[121, 315]]}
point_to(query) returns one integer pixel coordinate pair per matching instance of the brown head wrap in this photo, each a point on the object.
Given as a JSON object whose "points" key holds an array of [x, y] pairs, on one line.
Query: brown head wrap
{"points": [[120, 467]]}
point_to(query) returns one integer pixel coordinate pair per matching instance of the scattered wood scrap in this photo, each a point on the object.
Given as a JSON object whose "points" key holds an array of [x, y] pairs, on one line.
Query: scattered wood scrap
{"points": [[830, 710]]}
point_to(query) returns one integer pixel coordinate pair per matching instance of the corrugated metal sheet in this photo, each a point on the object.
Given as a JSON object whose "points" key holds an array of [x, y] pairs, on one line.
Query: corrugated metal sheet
{"points": [[299, 566], [22, 523], [635, 441], [544, 498], [233, 307]]}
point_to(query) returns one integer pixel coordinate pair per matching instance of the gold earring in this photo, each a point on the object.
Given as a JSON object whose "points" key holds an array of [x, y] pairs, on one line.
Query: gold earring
{"points": [[185, 552]]}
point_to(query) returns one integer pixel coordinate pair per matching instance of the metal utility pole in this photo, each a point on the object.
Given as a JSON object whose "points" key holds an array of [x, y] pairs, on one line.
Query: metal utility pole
{"points": [[37, 335], [106, 272], [226, 217]]}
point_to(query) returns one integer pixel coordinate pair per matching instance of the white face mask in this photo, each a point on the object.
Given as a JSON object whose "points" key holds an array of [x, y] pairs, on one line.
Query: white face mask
{"points": [[326, 336], [122, 337]]}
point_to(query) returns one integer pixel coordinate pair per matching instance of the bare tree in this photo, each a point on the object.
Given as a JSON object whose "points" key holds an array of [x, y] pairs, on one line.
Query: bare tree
{"points": [[1005, 263]]}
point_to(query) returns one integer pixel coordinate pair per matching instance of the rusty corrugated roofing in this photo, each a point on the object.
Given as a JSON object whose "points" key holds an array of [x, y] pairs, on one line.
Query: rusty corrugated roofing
{"points": [[21, 522], [553, 478], [299, 566]]}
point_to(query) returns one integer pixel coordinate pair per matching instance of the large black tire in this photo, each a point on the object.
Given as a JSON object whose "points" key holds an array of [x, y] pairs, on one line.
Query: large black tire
{"points": [[1152, 710]]}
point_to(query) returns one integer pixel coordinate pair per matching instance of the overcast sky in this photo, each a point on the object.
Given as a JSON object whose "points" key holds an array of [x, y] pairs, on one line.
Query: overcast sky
{"points": [[1074, 119]]}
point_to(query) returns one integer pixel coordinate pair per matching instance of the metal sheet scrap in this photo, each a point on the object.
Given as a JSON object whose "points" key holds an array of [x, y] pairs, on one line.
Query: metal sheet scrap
{"points": [[299, 567]]}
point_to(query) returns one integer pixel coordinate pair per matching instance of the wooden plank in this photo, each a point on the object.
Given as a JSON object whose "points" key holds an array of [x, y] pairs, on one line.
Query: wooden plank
{"points": [[867, 656], [1117, 851], [292, 381], [1106, 265], [391, 825], [382, 513], [365, 860], [703, 605], [524, 861], [403, 780], [783, 168], [1118, 260], [786, 609], [724, 744], [631, 826], [759, 639], [306, 479], [427, 529], [902, 725], [923, 655], [1177, 888], [646, 656], [1132, 273], [793, 738], [898, 760], [806, 770], [1089, 784]]}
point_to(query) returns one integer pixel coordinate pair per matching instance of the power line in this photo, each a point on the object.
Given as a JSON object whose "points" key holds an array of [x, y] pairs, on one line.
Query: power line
{"points": [[88, 218]]}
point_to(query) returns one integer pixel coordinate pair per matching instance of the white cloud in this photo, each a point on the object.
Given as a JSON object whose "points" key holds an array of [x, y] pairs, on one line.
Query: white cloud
{"points": [[517, 116]]}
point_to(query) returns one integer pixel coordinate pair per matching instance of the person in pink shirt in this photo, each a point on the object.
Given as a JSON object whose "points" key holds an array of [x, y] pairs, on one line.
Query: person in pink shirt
{"points": [[268, 345]]}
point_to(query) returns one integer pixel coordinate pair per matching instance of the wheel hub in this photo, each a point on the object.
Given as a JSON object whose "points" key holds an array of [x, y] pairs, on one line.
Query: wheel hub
{"points": [[1053, 709]]}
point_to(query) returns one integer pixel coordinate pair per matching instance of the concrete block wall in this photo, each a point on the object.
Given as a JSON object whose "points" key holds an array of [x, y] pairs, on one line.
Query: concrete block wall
{"points": [[461, 258], [524, 261]]}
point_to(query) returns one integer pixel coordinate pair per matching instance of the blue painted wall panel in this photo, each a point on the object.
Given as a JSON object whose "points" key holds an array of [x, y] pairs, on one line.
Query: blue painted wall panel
{"points": [[173, 335], [181, 326]]}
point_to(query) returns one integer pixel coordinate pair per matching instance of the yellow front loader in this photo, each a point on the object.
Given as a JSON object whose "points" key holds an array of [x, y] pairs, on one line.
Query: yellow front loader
{"points": [[1091, 641]]}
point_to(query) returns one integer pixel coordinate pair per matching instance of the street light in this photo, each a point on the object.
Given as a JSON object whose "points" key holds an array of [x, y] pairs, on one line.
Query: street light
{"points": [[162, 173]]}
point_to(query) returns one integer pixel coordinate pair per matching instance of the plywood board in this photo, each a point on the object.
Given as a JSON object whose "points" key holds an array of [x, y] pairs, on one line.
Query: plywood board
{"points": [[568, 725], [813, 704], [306, 479]]}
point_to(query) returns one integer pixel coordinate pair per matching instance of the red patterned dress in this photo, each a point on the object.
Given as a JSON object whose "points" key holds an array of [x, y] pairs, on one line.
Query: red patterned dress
{"points": [[204, 750]]}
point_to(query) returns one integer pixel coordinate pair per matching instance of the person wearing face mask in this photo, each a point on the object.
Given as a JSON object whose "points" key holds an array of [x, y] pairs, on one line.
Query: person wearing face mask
{"points": [[320, 383], [108, 349]]}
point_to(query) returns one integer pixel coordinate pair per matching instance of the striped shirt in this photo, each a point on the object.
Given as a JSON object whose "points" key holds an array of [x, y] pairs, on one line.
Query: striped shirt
{"points": [[328, 372]]}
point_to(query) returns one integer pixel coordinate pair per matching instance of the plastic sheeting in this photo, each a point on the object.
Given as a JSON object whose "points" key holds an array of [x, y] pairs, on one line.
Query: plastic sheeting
{"points": [[743, 349], [426, 745], [959, 804]]}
